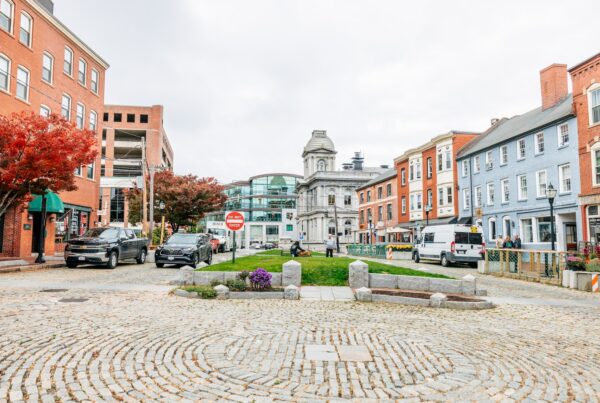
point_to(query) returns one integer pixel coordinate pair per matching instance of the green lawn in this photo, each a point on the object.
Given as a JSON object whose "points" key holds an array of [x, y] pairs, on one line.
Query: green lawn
{"points": [[316, 270]]}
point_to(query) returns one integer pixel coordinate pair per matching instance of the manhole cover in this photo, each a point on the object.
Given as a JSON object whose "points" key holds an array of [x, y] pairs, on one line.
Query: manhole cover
{"points": [[73, 300], [54, 290]]}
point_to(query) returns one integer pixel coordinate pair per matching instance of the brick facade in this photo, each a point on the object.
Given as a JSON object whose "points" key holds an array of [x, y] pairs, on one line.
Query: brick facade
{"points": [[384, 196], [50, 37]]}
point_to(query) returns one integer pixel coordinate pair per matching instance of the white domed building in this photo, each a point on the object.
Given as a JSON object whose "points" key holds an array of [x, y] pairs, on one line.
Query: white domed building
{"points": [[326, 195]]}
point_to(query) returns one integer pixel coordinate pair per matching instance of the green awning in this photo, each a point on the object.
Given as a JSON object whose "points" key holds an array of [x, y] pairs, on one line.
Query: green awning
{"points": [[53, 204]]}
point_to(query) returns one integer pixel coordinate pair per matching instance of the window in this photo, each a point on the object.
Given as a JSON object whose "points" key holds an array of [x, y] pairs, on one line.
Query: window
{"points": [[403, 205], [596, 163], [563, 135], [320, 164], [90, 171], [440, 162], [419, 202], [94, 81], [541, 183], [4, 73], [505, 187], [105, 117], [449, 194], [527, 230], [362, 197], [412, 202], [22, 83], [492, 229], [6, 15], [331, 200], [119, 117], [47, 68], [466, 199], [143, 118], [130, 118], [564, 177], [65, 109], [411, 172], [25, 31], [539, 143], [379, 192], [44, 111], [347, 200], [448, 160], [429, 197], [476, 164], [380, 213], [68, 64], [478, 196], [429, 168], [522, 192], [78, 171], [544, 233], [465, 168], [440, 196], [594, 101], [368, 196], [503, 155], [520, 149], [389, 211], [403, 176], [80, 116], [93, 120], [82, 72], [489, 160], [347, 227], [388, 190], [418, 169], [428, 237], [361, 217], [490, 194]]}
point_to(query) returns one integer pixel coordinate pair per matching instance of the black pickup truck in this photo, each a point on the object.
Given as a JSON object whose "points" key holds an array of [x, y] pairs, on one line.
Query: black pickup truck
{"points": [[107, 246]]}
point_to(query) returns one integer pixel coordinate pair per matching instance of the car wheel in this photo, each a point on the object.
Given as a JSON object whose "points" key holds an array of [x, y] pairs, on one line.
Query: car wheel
{"points": [[71, 265], [209, 260], [416, 257], [444, 261], [141, 259], [160, 265], [113, 260]]}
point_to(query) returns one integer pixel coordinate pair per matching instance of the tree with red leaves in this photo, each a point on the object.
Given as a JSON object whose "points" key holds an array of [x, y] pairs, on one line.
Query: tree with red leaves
{"points": [[187, 198], [39, 154]]}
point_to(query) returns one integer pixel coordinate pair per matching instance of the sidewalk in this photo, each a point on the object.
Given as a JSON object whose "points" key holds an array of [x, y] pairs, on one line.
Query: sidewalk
{"points": [[11, 265]]}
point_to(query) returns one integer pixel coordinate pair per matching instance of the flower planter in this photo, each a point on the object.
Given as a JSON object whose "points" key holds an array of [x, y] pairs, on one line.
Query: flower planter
{"points": [[584, 280], [405, 255], [566, 280]]}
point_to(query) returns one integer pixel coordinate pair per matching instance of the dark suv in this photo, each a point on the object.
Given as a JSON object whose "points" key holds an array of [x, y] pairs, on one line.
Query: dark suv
{"points": [[184, 249]]}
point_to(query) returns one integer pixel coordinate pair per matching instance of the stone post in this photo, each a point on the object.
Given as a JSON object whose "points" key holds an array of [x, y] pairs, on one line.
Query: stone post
{"points": [[438, 300], [222, 291], [186, 275], [358, 274], [364, 295], [291, 292], [469, 285], [291, 274]]}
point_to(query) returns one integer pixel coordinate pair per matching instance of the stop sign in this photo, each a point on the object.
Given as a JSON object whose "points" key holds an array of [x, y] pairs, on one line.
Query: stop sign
{"points": [[234, 221]]}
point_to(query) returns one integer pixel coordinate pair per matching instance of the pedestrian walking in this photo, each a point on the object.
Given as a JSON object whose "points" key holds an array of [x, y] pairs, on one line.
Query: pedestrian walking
{"points": [[329, 246]]}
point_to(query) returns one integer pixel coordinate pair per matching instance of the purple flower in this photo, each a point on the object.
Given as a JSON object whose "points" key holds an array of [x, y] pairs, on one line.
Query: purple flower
{"points": [[260, 279]]}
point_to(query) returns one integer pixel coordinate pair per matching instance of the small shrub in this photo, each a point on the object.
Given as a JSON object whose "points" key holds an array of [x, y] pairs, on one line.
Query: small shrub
{"points": [[204, 291], [236, 285], [575, 263], [260, 279], [593, 265], [243, 275], [400, 247], [215, 282]]}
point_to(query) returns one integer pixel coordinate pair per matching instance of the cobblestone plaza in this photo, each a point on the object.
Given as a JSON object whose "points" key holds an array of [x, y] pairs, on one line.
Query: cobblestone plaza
{"points": [[110, 343]]}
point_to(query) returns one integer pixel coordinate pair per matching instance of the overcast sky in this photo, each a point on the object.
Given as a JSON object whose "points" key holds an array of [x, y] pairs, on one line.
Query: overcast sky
{"points": [[245, 82]]}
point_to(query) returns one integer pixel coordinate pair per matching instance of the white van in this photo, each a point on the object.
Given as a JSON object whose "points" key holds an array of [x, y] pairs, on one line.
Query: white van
{"points": [[451, 243]]}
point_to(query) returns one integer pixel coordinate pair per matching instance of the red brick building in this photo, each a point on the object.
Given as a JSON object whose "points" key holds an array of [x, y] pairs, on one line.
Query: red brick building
{"points": [[378, 208], [126, 130], [46, 68], [586, 103]]}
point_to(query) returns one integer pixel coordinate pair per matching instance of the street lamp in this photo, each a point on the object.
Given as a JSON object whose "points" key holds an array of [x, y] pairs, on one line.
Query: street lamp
{"points": [[551, 194], [161, 207], [371, 231], [427, 210]]}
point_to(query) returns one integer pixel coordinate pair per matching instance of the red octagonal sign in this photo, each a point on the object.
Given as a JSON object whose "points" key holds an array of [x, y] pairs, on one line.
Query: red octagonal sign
{"points": [[234, 221]]}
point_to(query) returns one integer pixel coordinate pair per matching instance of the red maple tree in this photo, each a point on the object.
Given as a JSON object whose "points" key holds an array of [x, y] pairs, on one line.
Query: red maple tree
{"points": [[39, 154]]}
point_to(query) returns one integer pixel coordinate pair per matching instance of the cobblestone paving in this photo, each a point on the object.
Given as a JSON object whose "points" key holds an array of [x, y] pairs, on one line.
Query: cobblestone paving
{"points": [[145, 346]]}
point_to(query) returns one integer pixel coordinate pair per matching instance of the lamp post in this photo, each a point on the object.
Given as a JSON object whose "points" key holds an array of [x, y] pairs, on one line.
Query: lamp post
{"points": [[427, 210], [551, 194], [161, 207], [42, 231], [371, 231]]}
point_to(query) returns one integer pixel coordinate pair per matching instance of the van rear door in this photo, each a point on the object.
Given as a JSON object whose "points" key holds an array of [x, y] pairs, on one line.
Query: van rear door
{"points": [[468, 243]]}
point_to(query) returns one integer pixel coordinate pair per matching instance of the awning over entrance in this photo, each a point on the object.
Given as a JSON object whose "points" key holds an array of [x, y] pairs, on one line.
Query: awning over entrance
{"points": [[441, 221], [53, 204], [464, 220]]}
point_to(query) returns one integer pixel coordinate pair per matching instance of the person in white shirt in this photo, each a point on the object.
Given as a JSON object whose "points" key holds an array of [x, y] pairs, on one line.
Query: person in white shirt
{"points": [[329, 246]]}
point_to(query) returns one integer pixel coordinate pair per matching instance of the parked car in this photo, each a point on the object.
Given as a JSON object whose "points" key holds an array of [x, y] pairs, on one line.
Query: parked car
{"points": [[108, 246], [451, 243], [184, 249]]}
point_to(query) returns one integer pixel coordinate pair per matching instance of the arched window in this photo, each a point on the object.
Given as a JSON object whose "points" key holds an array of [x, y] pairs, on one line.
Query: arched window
{"points": [[348, 227], [331, 227], [321, 165]]}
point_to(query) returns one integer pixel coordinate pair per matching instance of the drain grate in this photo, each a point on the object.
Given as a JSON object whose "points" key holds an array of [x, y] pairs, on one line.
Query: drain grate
{"points": [[73, 300], [54, 290]]}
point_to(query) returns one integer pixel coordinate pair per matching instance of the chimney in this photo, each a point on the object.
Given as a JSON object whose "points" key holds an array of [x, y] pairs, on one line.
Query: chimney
{"points": [[494, 121], [555, 85], [358, 161]]}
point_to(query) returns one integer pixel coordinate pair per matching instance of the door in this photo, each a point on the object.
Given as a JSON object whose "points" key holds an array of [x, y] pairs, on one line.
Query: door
{"points": [[571, 236], [126, 245]]}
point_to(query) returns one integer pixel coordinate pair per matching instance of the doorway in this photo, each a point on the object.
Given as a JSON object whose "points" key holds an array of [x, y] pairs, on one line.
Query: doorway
{"points": [[571, 236]]}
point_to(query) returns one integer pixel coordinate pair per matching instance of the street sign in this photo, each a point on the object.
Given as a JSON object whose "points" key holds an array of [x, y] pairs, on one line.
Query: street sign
{"points": [[234, 221]]}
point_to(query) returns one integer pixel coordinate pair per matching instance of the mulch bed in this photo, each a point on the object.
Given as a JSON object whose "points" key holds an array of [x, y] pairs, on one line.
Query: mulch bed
{"points": [[422, 295]]}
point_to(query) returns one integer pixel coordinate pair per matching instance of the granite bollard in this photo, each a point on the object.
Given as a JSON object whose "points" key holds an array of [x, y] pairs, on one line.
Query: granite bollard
{"points": [[291, 274], [358, 274]]}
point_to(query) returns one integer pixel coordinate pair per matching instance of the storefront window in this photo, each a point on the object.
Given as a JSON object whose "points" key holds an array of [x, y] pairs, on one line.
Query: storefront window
{"points": [[527, 230], [117, 205], [544, 230]]}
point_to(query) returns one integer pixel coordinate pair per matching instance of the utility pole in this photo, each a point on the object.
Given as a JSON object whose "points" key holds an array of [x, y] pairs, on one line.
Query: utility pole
{"points": [[151, 168], [144, 193], [337, 234]]}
